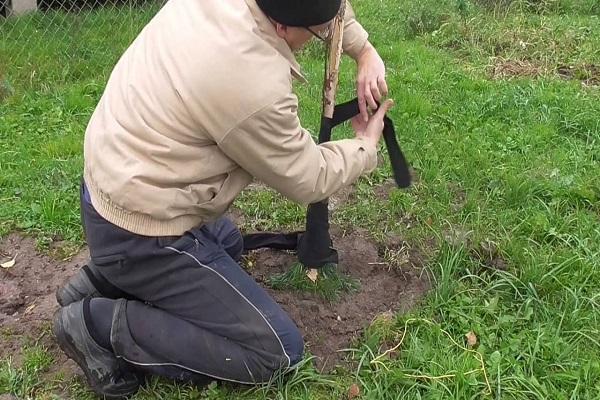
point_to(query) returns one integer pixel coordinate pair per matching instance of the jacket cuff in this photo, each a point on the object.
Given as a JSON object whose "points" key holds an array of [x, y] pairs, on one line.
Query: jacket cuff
{"points": [[370, 154]]}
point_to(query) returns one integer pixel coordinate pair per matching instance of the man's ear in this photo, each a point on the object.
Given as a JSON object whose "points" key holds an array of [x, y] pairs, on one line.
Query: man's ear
{"points": [[281, 30]]}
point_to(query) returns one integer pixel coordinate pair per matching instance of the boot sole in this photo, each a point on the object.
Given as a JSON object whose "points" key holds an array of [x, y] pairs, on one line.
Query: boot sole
{"points": [[71, 351]]}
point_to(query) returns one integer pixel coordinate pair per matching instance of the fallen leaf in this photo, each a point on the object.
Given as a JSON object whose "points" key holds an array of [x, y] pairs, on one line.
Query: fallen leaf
{"points": [[471, 339], [387, 316], [9, 264], [30, 308], [312, 274], [354, 391]]}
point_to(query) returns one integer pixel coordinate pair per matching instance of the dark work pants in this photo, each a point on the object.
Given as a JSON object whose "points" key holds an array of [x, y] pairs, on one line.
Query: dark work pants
{"points": [[185, 307]]}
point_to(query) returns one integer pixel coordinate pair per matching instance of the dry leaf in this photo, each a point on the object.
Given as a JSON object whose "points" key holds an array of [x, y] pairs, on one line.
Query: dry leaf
{"points": [[354, 391], [30, 308], [312, 274], [471, 339], [387, 316], [9, 264]]}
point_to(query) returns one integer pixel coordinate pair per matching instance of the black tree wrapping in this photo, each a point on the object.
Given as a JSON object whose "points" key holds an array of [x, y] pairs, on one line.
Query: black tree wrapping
{"points": [[314, 246]]}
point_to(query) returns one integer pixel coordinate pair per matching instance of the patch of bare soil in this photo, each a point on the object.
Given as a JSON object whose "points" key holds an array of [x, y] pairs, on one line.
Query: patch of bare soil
{"points": [[383, 191], [503, 68], [331, 327], [588, 74], [27, 300]]}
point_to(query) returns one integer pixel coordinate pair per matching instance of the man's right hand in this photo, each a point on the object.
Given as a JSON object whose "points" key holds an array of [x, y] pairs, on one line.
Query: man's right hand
{"points": [[372, 129]]}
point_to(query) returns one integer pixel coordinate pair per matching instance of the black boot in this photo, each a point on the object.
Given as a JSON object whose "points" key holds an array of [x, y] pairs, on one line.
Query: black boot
{"points": [[78, 287], [87, 283], [106, 374]]}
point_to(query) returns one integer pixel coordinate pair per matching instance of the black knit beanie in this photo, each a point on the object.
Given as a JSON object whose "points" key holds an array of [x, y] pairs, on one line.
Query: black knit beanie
{"points": [[300, 12]]}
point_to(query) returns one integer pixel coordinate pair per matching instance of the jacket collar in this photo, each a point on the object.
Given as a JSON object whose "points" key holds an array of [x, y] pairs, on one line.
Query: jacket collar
{"points": [[268, 33]]}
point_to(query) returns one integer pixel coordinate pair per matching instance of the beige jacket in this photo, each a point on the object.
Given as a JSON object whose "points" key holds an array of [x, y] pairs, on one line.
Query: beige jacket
{"points": [[199, 104]]}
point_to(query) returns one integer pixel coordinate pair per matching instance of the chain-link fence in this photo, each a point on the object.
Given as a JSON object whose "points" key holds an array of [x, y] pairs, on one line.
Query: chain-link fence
{"points": [[68, 38]]}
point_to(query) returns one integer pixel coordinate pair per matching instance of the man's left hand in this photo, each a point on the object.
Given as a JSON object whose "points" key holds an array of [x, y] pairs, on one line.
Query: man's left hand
{"points": [[370, 82]]}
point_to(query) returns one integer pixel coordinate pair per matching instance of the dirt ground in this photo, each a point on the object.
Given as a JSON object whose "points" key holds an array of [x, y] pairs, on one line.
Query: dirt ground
{"points": [[330, 327], [27, 301]]}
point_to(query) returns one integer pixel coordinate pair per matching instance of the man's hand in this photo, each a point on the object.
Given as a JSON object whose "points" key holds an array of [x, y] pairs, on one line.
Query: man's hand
{"points": [[372, 129], [370, 82]]}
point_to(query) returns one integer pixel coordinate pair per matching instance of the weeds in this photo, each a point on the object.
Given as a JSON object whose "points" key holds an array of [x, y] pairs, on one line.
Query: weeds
{"points": [[330, 283]]}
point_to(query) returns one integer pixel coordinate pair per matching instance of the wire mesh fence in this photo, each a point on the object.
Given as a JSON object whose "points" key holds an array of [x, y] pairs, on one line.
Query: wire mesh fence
{"points": [[68, 38]]}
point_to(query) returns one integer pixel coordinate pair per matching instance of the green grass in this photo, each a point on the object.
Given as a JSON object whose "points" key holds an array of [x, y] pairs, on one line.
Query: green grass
{"points": [[25, 380], [330, 283], [508, 162]]}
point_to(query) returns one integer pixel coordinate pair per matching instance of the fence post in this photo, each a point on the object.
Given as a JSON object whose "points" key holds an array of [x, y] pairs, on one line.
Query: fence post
{"points": [[20, 7]]}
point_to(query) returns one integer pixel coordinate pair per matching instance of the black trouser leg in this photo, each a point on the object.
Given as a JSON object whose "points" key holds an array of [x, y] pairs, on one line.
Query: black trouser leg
{"points": [[199, 311]]}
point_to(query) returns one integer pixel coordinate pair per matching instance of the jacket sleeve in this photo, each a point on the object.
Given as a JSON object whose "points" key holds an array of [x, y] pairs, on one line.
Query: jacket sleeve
{"points": [[355, 37], [273, 147]]}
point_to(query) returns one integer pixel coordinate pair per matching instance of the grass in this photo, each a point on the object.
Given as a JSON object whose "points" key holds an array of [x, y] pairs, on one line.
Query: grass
{"points": [[25, 380], [330, 283], [507, 162]]}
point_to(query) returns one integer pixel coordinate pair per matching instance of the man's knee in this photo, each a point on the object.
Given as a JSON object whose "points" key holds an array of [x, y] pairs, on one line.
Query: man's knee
{"points": [[295, 347], [227, 235], [267, 367]]}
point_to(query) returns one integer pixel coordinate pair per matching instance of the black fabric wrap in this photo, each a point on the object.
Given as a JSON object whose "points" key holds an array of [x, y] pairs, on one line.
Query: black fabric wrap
{"points": [[314, 246], [345, 111], [272, 240]]}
